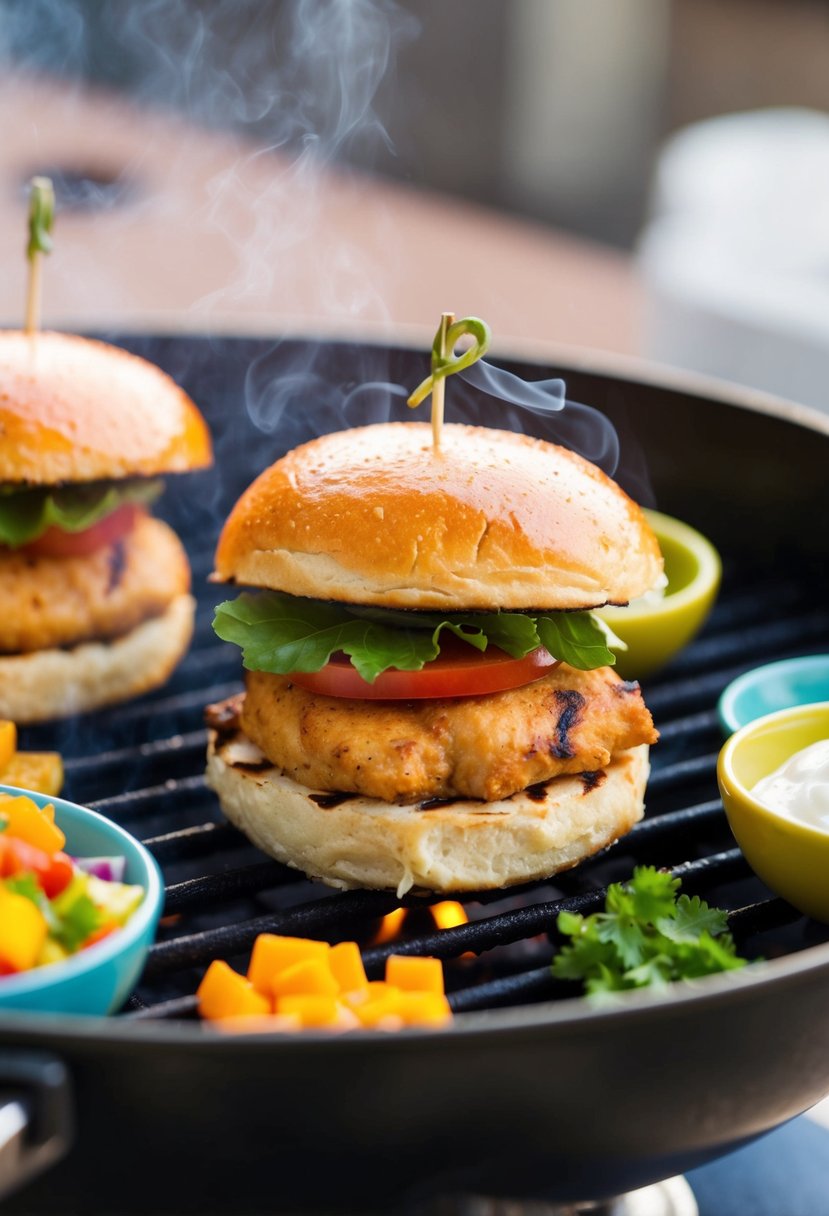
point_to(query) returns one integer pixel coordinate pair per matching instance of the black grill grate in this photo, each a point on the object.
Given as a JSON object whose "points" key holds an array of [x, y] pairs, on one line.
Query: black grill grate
{"points": [[142, 765]]}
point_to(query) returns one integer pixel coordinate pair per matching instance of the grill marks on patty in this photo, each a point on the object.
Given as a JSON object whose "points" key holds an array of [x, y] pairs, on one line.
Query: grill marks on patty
{"points": [[475, 747], [51, 602], [572, 704]]}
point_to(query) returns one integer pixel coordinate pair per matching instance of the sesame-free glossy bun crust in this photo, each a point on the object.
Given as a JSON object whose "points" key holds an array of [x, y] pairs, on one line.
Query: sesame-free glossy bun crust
{"points": [[72, 409], [492, 519]]}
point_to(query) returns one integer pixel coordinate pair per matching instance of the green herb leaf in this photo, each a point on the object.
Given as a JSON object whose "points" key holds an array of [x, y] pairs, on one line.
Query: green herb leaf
{"points": [[26, 514], [283, 633], [647, 937], [691, 917]]}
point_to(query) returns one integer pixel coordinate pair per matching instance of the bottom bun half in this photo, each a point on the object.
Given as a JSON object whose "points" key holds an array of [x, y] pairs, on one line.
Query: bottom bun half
{"points": [[49, 684], [347, 840]]}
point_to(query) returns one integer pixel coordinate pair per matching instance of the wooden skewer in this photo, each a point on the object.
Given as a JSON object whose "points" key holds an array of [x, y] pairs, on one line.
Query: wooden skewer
{"points": [[439, 390], [33, 294], [41, 212]]}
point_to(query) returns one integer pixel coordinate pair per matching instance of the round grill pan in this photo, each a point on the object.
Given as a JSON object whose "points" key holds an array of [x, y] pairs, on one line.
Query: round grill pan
{"points": [[532, 1091]]}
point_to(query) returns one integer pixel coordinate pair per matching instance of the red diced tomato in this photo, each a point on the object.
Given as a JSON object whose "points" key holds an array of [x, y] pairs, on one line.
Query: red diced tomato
{"points": [[52, 874]]}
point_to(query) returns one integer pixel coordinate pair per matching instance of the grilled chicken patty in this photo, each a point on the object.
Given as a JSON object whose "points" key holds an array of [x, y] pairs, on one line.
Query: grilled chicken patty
{"points": [[475, 747], [48, 602]]}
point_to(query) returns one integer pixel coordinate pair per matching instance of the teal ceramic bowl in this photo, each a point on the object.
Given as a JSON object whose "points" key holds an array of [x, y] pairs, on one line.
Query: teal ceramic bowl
{"points": [[781, 685], [98, 980]]}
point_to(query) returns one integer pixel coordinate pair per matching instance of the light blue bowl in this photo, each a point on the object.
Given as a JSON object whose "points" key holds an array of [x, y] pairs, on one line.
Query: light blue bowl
{"points": [[100, 979], [781, 685]]}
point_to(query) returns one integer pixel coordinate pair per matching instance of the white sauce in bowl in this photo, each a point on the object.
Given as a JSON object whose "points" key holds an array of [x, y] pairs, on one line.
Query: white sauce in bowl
{"points": [[799, 788]]}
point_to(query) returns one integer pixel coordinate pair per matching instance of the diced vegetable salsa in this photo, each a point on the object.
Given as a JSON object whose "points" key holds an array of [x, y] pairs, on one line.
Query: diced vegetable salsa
{"points": [[50, 906], [294, 983]]}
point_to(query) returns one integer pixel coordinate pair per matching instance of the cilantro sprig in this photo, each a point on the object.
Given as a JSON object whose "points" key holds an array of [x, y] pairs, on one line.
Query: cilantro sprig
{"points": [[283, 633], [647, 937]]}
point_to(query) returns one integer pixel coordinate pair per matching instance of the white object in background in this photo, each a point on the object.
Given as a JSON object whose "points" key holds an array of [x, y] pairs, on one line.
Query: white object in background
{"points": [[736, 257]]}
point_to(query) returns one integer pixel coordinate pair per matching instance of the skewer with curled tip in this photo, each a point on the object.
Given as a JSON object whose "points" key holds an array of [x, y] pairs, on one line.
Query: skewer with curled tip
{"points": [[41, 216], [445, 362]]}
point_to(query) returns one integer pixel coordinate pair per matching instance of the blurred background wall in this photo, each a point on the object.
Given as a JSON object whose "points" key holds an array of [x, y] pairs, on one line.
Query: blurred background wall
{"points": [[554, 111]]}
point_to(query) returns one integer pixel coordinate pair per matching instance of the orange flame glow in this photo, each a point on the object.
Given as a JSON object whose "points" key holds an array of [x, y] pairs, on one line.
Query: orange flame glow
{"points": [[446, 915], [390, 926]]}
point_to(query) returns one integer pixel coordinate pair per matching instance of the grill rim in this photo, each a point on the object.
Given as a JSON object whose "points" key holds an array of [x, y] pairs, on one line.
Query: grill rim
{"points": [[577, 1011]]}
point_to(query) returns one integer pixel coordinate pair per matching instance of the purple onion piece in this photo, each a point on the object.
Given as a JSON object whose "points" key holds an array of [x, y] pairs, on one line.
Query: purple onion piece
{"points": [[109, 869]]}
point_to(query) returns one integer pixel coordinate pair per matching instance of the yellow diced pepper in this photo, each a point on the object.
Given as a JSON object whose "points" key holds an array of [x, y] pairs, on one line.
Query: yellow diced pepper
{"points": [[346, 964], [273, 953], [312, 976], [52, 952], [38, 771], [22, 930], [223, 993], [27, 821], [8, 746], [415, 974]]}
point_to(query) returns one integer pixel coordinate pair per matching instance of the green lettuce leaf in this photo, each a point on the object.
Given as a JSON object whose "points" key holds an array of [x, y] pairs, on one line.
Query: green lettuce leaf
{"points": [[282, 633], [26, 514]]}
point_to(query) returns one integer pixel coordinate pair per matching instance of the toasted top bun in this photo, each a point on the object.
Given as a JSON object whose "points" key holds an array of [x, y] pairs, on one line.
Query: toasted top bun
{"points": [[72, 409], [491, 520]]}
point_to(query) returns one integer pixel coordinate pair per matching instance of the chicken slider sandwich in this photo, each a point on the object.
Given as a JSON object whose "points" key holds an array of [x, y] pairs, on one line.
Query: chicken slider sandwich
{"points": [[429, 702], [94, 592]]}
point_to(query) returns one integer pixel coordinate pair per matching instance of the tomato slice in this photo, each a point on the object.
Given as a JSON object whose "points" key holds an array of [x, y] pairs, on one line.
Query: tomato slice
{"points": [[54, 542], [458, 671]]}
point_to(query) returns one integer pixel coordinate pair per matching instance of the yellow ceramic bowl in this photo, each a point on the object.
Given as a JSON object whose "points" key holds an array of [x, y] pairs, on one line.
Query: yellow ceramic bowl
{"points": [[789, 855], [657, 629]]}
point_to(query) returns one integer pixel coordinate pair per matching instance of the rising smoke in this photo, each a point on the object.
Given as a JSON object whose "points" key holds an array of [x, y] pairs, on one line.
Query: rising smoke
{"points": [[300, 80]]}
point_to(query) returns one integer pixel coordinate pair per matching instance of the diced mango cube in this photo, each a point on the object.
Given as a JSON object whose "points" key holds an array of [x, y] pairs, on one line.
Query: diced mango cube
{"points": [[312, 1010], [22, 930], [8, 746], [223, 993], [382, 1012], [311, 975], [346, 964], [415, 974], [27, 821], [38, 771], [374, 1003], [371, 991], [273, 953], [274, 1023], [423, 1009]]}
